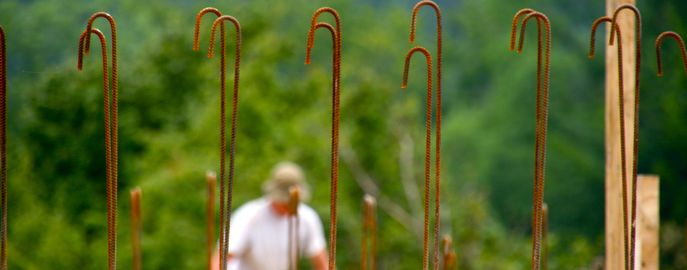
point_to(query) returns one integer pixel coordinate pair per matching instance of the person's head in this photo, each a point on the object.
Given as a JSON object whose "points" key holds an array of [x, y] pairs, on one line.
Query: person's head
{"points": [[285, 175]]}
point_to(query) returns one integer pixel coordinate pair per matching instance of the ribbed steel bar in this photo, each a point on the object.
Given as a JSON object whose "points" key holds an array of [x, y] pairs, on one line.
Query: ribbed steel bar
{"points": [[449, 259], [428, 138], [368, 259], [211, 179], [635, 143], [659, 44], [542, 104], [110, 92], [224, 247], [293, 250], [437, 143], [336, 88]]}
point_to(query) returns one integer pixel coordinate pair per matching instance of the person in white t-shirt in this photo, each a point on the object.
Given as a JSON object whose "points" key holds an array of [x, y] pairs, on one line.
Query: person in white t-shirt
{"points": [[258, 236]]}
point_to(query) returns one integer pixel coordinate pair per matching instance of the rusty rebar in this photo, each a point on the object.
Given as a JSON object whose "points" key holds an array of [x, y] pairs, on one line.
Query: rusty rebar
{"points": [[659, 43], [110, 92], [336, 88], [428, 138], [293, 250], [3, 149], [368, 254], [450, 259], [635, 142], [223, 128], [211, 179], [542, 105], [136, 227], [621, 116], [225, 206], [437, 143]]}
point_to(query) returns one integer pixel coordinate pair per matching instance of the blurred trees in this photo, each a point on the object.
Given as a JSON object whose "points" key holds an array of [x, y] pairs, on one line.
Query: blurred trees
{"points": [[169, 128]]}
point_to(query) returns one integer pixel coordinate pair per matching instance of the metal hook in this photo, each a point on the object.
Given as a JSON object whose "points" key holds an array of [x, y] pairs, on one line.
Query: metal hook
{"points": [[514, 25], [638, 56], [428, 136], [3, 148], [196, 28], [369, 238], [659, 42], [336, 86], [541, 124], [621, 113], [437, 150], [293, 227], [110, 119], [225, 206]]}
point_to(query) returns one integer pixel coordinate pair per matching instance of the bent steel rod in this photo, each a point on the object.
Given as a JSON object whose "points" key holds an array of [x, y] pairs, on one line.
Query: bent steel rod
{"points": [[335, 32], [293, 227], [437, 150], [110, 93], [369, 239], [428, 138], [541, 119]]}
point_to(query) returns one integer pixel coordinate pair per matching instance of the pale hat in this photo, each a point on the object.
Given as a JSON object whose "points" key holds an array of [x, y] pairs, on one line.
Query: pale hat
{"points": [[284, 176]]}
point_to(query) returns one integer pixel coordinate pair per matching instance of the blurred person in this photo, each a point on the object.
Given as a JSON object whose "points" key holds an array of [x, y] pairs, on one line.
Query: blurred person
{"points": [[258, 237]]}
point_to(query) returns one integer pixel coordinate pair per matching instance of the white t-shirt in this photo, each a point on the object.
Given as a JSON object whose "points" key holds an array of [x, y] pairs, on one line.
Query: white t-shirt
{"points": [[258, 239]]}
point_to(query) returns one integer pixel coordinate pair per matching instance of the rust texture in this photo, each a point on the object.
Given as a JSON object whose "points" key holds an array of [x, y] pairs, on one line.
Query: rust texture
{"points": [[450, 260], [437, 143], [293, 227], [136, 228], [659, 43], [621, 113], [110, 93], [638, 57], [226, 191], [223, 125], [3, 149], [368, 259], [428, 138], [542, 105], [336, 87], [211, 179]]}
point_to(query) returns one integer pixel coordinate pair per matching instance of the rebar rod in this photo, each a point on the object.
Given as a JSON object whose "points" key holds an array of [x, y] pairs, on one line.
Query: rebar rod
{"points": [[211, 179], [110, 93], [368, 259], [437, 143], [136, 228], [293, 250], [336, 88], [659, 43], [542, 104], [3, 149]]}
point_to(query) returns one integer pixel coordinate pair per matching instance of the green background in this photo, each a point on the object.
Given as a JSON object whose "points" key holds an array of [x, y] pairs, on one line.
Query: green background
{"points": [[169, 132]]}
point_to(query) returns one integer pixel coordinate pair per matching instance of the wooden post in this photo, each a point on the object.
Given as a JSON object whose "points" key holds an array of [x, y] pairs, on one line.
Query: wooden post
{"points": [[136, 227], [211, 179], [648, 221], [615, 252]]}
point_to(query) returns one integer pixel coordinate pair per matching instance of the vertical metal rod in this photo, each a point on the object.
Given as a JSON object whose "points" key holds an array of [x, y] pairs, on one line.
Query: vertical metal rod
{"points": [[211, 179], [110, 92], [449, 254], [223, 125], [3, 149], [437, 150], [224, 247], [541, 120], [336, 88], [635, 142], [428, 137], [293, 228], [136, 227], [369, 238]]}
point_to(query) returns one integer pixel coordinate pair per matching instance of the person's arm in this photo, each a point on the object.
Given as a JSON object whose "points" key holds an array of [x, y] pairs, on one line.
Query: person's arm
{"points": [[319, 261]]}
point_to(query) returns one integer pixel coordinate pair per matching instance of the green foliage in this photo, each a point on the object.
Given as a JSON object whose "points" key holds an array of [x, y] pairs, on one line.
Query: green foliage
{"points": [[169, 116]]}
